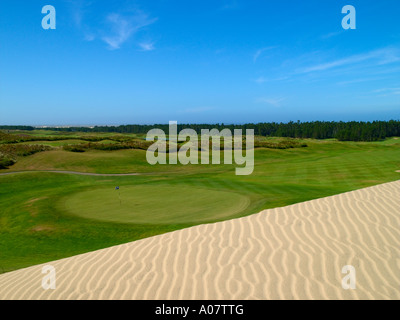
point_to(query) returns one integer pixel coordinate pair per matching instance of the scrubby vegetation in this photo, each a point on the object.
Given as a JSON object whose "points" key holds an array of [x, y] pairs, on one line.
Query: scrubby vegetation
{"points": [[144, 145], [6, 161], [22, 150], [133, 144], [284, 144], [19, 137], [9, 153]]}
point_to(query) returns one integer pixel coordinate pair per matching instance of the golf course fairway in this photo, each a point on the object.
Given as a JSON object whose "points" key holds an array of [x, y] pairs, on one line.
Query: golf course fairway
{"points": [[155, 204]]}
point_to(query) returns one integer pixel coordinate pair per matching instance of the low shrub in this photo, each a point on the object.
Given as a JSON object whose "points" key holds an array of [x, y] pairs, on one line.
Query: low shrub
{"points": [[286, 144], [74, 148], [82, 147], [6, 161]]}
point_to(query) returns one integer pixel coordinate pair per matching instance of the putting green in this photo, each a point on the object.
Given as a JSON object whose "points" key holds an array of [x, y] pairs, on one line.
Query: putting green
{"points": [[155, 204]]}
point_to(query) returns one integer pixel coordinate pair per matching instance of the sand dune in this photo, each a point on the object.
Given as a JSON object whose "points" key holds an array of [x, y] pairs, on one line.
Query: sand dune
{"points": [[295, 252]]}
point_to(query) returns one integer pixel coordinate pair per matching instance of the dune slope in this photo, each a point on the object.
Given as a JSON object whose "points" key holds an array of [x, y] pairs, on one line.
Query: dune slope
{"points": [[294, 252]]}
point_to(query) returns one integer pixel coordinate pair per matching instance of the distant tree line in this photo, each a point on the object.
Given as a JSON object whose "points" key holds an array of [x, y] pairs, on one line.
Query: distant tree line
{"points": [[26, 128], [343, 131]]}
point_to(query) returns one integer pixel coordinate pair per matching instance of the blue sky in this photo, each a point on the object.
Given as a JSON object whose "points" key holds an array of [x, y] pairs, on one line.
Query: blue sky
{"points": [[230, 61]]}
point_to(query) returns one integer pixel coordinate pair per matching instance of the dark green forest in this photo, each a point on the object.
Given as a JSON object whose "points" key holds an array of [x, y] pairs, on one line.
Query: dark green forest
{"points": [[343, 131]]}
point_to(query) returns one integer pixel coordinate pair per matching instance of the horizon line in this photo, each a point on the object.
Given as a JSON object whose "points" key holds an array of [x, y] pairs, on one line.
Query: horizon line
{"points": [[184, 123]]}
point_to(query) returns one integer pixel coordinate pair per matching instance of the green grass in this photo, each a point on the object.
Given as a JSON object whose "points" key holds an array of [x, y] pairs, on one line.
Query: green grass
{"points": [[49, 216], [147, 204]]}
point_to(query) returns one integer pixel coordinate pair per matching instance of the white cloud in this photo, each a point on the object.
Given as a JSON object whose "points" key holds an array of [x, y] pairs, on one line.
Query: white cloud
{"points": [[260, 52], [78, 8], [359, 80], [89, 37], [383, 92], [118, 27], [381, 57], [331, 35], [123, 27], [262, 79], [147, 46], [385, 89]]}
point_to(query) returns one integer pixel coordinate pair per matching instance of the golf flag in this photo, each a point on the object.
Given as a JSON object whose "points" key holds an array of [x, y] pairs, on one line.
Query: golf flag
{"points": [[116, 188]]}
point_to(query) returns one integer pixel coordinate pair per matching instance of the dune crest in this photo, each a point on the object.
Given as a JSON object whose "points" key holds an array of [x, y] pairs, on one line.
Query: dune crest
{"points": [[294, 252]]}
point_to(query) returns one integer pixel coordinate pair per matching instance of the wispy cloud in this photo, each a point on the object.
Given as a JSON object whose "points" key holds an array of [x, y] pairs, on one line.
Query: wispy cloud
{"points": [[147, 46], [114, 29], [260, 52], [262, 79], [374, 65], [77, 8], [387, 91], [331, 35], [275, 102], [123, 27], [359, 80], [89, 36], [380, 57]]}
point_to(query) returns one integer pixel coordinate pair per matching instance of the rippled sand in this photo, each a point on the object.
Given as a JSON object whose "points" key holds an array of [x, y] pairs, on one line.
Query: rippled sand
{"points": [[294, 252]]}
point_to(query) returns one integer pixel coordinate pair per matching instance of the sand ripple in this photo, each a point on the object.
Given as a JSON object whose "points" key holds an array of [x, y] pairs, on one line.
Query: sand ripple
{"points": [[294, 252]]}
